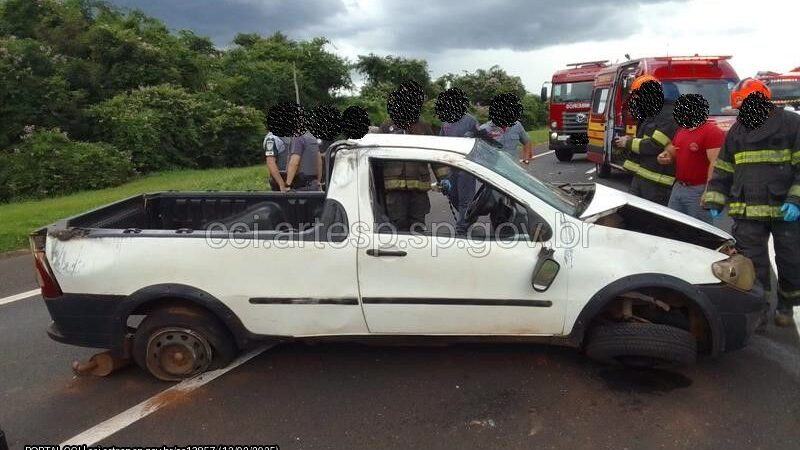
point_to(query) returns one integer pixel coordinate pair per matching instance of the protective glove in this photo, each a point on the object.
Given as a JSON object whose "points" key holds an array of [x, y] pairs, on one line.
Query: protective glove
{"points": [[715, 213], [791, 212], [446, 185]]}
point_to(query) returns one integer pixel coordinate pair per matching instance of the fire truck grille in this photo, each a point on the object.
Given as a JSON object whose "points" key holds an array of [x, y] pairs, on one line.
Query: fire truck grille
{"points": [[573, 123]]}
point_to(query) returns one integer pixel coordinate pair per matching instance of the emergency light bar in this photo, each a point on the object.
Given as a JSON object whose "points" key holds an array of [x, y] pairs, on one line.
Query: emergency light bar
{"points": [[588, 63], [693, 58]]}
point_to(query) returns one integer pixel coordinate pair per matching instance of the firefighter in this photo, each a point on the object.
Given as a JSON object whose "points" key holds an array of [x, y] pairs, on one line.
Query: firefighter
{"points": [[757, 175], [407, 183], [653, 109]]}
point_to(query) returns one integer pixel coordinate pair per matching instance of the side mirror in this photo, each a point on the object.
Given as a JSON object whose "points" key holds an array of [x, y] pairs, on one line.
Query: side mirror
{"points": [[543, 94], [545, 271]]}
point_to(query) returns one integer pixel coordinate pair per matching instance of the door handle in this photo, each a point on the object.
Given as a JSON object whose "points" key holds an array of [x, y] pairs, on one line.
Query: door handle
{"points": [[379, 252]]}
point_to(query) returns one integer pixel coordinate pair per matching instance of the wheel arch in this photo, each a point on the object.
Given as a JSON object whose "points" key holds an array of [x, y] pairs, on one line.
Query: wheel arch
{"points": [[156, 296], [610, 292]]}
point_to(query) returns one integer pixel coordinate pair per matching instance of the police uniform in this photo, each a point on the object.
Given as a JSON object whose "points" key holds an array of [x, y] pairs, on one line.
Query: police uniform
{"points": [[757, 171], [651, 180], [407, 183], [307, 147], [275, 147]]}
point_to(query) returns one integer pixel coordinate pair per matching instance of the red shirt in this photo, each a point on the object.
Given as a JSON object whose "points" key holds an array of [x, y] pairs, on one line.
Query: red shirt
{"points": [[691, 159]]}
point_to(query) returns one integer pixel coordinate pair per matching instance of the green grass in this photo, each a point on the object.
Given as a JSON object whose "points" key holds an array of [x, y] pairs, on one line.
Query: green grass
{"points": [[538, 136], [17, 220]]}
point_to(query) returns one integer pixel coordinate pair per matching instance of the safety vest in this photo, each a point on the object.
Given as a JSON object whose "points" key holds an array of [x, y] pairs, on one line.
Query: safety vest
{"points": [[652, 137], [409, 175], [757, 171]]}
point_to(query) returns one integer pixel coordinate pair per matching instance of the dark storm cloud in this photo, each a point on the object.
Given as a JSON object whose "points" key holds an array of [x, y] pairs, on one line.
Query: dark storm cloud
{"points": [[221, 20], [520, 25], [420, 26]]}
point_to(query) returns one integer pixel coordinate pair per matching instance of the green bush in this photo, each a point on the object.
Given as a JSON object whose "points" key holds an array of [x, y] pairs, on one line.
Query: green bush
{"points": [[231, 135], [47, 163]]}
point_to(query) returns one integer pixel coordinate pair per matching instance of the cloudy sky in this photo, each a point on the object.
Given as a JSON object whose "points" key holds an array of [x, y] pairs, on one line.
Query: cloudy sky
{"points": [[530, 39]]}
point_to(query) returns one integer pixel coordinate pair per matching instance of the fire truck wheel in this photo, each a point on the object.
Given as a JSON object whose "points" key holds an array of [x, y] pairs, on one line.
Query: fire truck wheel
{"points": [[564, 155]]}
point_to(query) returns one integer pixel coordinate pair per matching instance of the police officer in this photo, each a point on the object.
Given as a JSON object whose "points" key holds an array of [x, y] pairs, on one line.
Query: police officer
{"points": [[451, 108], [275, 151], [653, 109], [757, 175], [304, 168]]}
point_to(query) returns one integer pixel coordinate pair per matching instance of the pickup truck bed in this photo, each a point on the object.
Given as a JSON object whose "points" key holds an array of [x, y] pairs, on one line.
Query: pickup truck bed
{"points": [[199, 210]]}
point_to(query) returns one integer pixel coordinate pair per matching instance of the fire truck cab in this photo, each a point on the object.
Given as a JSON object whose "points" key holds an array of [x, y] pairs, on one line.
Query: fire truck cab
{"points": [[785, 87], [710, 76], [569, 107]]}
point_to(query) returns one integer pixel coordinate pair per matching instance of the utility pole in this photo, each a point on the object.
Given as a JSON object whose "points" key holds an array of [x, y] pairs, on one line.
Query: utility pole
{"points": [[296, 89]]}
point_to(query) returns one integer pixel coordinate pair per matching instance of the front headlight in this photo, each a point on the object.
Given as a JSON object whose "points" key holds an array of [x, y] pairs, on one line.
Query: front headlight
{"points": [[553, 124], [737, 271], [554, 136]]}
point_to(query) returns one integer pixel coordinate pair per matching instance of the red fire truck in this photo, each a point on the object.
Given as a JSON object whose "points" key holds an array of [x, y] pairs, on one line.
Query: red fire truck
{"points": [[710, 76], [785, 87], [569, 107]]}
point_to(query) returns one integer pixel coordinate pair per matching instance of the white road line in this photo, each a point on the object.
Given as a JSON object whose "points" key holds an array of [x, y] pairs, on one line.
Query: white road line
{"points": [[105, 429], [542, 154], [592, 170], [22, 296]]}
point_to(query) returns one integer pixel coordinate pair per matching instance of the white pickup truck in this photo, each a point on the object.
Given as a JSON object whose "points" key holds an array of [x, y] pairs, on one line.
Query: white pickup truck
{"points": [[181, 281]]}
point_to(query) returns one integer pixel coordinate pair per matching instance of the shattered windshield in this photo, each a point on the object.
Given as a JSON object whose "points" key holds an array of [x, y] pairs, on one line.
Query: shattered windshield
{"points": [[501, 163]]}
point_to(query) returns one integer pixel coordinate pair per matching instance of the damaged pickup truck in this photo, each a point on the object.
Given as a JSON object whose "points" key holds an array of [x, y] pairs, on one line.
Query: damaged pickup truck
{"points": [[180, 282]]}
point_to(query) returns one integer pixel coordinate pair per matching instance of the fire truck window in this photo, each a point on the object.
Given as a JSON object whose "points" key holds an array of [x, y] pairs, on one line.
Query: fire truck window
{"points": [[599, 101], [572, 92]]}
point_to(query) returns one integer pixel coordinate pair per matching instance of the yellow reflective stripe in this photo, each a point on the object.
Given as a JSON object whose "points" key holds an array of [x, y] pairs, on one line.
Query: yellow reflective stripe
{"points": [[661, 138], [796, 158], [763, 156], [630, 166], [655, 177], [635, 143], [442, 172], [723, 165], [715, 197], [788, 294], [794, 191], [755, 211], [395, 184]]}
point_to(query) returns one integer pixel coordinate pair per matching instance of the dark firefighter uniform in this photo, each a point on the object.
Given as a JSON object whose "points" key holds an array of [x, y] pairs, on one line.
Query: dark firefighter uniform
{"points": [[407, 183], [651, 180], [757, 171]]}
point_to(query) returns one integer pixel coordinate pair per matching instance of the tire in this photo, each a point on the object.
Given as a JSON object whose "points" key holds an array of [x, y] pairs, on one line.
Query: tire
{"points": [[641, 345], [603, 170], [176, 342], [564, 155]]}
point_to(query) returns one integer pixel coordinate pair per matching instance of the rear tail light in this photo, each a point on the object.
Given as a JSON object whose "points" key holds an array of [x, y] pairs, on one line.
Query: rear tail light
{"points": [[47, 282]]}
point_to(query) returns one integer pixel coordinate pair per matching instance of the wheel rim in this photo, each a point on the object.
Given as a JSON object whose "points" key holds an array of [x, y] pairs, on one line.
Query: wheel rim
{"points": [[177, 353]]}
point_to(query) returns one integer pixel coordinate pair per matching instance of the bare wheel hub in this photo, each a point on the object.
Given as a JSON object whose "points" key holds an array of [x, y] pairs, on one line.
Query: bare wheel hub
{"points": [[177, 353]]}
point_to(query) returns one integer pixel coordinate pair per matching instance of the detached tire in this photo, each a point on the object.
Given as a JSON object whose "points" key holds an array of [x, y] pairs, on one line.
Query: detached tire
{"points": [[178, 342], [642, 345], [564, 155]]}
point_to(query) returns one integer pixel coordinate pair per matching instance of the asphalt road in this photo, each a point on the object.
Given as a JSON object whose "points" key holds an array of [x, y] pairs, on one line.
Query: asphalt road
{"points": [[363, 397]]}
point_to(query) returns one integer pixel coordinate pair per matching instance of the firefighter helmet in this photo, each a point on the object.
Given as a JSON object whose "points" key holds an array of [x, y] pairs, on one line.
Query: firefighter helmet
{"points": [[746, 87], [642, 79]]}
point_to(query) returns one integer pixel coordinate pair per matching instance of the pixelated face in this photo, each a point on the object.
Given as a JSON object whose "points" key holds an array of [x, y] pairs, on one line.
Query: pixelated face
{"points": [[690, 110], [505, 110], [405, 103], [451, 105], [754, 110], [646, 101], [325, 122], [286, 119], [355, 122]]}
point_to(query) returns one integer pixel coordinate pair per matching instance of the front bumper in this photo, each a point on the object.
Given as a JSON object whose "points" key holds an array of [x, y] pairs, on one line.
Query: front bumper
{"points": [[83, 320], [738, 311], [576, 142]]}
